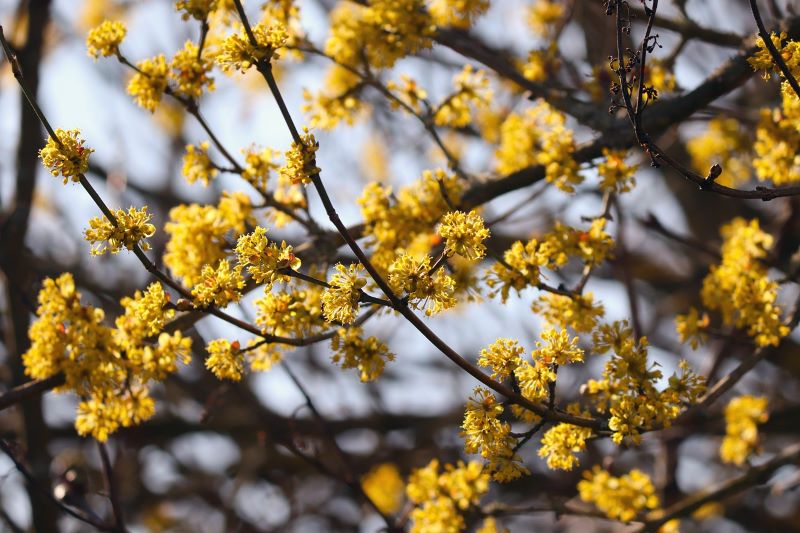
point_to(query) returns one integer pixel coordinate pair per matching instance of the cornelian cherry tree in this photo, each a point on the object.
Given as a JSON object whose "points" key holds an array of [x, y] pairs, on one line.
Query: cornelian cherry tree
{"points": [[400, 265]]}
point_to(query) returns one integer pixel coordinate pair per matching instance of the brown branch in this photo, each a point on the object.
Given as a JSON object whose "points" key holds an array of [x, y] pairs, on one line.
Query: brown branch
{"points": [[754, 476], [111, 488], [31, 388]]}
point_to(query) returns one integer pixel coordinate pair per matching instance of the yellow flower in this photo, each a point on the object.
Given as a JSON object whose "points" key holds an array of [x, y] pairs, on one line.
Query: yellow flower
{"points": [[259, 164], [471, 90], [67, 158], [104, 40], [742, 416], [620, 498], [543, 15], [384, 486], [225, 359], [503, 357], [197, 165], [432, 292], [367, 355], [337, 101], [263, 258], [238, 53], [149, 83], [558, 348], [340, 300], [130, 230], [560, 444], [219, 286], [464, 234], [301, 162], [190, 71], [457, 13], [616, 175], [197, 9]]}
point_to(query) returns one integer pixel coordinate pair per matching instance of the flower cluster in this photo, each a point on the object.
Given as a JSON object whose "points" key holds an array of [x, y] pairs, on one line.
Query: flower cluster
{"points": [[432, 291], [237, 52], [104, 40], [742, 416], [198, 234], [471, 90], [724, 143], [340, 299], [337, 101], [149, 83], [439, 496], [384, 486], [485, 433], [739, 287], [67, 157], [464, 234], [129, 229], [457, 13], [615, 174], [301, 163], [191, 71], [225, 359], [367, 355], [628, 391], [539, 137], [265, 259], [620, 498], [108, 368], [196, 9], [197, 164], [219, 285]]}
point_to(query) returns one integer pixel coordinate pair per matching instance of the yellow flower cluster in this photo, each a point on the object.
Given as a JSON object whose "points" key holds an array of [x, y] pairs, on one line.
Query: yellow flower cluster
{"points": [[149, 83], [433, 292], [471, 90], [739, 287], [543, 16], [265, 259], [196, 9], [777, 138], [485, 433], [337, 101], [722, 143], [108, 368], [464, 234], [130, 230], [198, 234], [197, 164], [790, 53], [367, 355], [68, 157], [580, 313], [742, 416], [301, 163], [628, 389], [408, 91], [539, 137], [620, 498], [225, 359], [236, 52], [691, 327], [522, 262], [503, 356], [295, 311], [457, 13], [258, 165], [104, 40], [438, 496], [384, 486], [400, 221], [616, 175], [381, 32], [340, 299], [191, 71], [219, 286], [560, 444]]}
